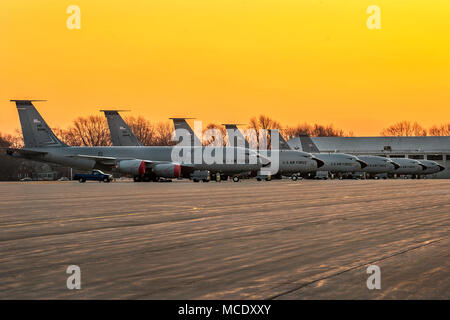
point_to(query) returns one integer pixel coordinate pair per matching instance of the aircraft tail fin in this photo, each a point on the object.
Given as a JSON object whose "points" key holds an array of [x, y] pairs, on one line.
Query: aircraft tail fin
{"points": [[235, 136], [282, 143], [307, 144], [36, 133], [121, 134], [181, 123]]}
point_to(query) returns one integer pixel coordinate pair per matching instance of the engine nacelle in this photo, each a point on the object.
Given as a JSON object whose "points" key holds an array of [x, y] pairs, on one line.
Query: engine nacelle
{"points": [[133, 167], [167, 170]]}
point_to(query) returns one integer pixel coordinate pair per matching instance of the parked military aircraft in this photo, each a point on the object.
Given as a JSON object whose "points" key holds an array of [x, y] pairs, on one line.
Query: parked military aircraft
{"points": [[291, 162], [432, 167], [401, 166], [339, 163], [144, 163], [122, 135], [376, 164], [409, 167]]}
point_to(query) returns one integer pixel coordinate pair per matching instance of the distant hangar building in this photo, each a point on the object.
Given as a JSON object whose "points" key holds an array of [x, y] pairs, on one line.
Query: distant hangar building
{"points": [[430, 148]]}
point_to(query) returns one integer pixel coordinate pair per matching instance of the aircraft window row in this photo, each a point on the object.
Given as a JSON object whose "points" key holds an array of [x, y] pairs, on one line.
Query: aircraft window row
{"points": [[294, 162], [341, 164]]}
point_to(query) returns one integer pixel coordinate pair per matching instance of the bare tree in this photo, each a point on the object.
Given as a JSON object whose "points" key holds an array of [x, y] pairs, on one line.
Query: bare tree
{"points": [[164, 132], [299, 130], [88, 131], [13, 141], [142, 129], [207, 140], [262, 122], [326, 131], [442, 130], [315, 130], [404, 129]]}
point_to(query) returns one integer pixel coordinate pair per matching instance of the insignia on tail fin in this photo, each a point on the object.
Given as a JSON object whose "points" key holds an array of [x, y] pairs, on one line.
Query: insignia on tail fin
{"points": [[121, 134], [36, 133]]}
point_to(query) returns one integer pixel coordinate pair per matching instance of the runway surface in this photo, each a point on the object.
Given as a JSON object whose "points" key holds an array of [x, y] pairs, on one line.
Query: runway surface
{"points": [[246, 240]]}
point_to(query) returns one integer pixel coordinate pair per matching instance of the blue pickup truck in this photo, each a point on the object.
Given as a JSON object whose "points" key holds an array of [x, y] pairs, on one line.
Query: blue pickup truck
{"points": [[95, 175]]}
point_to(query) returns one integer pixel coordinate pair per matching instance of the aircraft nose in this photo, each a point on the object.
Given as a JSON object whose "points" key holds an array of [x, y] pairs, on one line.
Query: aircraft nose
{"points": [[395, 164], [320, 163], [441, 168], [362, 163]]}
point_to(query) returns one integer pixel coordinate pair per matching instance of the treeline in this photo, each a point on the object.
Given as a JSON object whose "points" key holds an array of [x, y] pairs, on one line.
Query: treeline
{"points": [[409, 129], [93, 131]]}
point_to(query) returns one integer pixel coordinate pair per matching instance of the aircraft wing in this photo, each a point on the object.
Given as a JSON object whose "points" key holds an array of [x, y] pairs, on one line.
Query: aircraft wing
{"points": [[112, 161], [108, 161]]}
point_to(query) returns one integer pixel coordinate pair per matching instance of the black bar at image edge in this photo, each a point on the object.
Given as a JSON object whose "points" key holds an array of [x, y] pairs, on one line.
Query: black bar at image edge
{"points": [[226, 309]]}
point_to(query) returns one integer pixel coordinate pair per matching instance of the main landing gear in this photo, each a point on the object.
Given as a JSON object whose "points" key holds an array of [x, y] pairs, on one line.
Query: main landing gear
{"points": [[146, 178]]}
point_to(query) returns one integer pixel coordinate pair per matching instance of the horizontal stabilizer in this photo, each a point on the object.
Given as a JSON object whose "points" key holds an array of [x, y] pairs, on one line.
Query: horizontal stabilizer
{"points": [[24, 152]]}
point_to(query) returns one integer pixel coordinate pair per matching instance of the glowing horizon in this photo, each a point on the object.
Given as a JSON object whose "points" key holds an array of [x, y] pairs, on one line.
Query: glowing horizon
{"points": [[227, 61]]}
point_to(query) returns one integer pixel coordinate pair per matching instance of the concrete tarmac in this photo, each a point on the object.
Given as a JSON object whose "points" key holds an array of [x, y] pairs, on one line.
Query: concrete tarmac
{"points": [[245, 240]]}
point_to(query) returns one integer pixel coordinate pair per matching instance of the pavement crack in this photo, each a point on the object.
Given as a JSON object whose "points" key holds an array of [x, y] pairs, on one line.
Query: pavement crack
{"points": [[355, 267]]}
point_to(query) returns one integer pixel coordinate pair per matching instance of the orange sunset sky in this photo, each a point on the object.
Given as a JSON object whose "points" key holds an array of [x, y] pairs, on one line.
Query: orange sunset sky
{"points": [[227, 60]]}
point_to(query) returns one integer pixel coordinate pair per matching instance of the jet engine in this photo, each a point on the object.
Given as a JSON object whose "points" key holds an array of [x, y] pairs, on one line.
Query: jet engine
{"points": [[133, 167], [167, 170]]}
